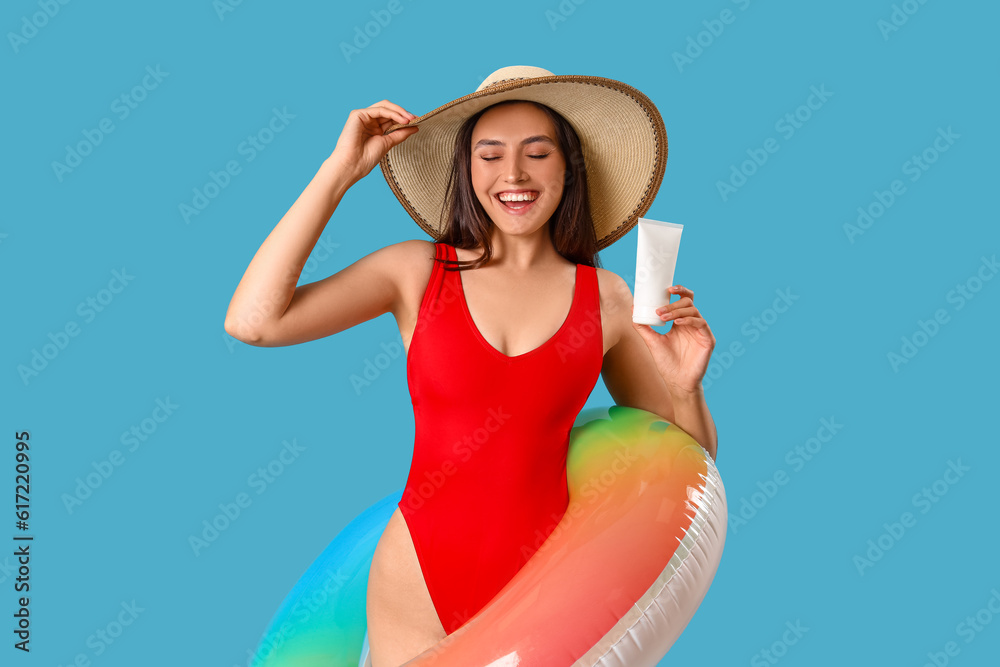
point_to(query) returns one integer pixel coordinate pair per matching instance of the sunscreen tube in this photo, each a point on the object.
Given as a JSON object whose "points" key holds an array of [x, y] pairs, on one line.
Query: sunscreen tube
{"points": [[656, 256]]}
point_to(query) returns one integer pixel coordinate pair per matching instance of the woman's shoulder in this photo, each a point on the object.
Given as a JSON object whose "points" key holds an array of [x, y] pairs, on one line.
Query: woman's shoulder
{"points": [[612, 286], [415, 251], [412, 263], [616, 302], [408, 262]]}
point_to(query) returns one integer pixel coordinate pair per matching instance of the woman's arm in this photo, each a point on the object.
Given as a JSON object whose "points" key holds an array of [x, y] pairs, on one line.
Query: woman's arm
{"points": [[269, 282], [631, 376], [692, 415], [267, 307]]}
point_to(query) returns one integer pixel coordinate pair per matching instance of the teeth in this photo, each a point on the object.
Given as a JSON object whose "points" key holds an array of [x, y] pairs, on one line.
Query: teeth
{"points": [[506, 196]]}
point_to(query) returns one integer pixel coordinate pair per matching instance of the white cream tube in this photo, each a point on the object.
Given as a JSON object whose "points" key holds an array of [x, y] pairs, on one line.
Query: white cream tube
{"points": [[656, 257]]}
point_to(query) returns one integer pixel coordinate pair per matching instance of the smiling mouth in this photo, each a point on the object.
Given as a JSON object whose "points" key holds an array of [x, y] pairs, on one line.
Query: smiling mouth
{"points": [[518, 205]]}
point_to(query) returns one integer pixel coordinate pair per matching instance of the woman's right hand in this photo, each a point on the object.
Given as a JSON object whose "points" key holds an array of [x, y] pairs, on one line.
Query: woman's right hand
{"points": [[362, 143]]}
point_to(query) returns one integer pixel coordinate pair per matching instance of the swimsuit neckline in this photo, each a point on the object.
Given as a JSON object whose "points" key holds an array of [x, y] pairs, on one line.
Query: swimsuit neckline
{"points": [[488, 345]]}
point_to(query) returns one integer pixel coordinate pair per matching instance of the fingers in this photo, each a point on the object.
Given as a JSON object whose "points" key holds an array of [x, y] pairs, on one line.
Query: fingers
{"points": [[681, 290], [697, 322], [382, 116], [394, 111], [679, 313], [681, 310], [680, 303], [394, 107], [399, 135]]}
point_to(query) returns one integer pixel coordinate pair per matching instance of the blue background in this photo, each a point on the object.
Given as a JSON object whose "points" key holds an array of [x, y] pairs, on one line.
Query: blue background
{"points": [[826, 357]]}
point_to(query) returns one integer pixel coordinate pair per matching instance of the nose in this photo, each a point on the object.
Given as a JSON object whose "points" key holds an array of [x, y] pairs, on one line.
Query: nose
{"points": [[515, 171]]}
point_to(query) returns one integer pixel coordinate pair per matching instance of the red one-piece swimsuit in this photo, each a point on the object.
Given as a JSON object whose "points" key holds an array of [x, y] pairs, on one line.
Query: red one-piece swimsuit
{"points": [[487, 483]]}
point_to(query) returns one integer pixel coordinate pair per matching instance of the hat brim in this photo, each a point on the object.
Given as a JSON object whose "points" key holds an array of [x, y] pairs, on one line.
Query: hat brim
{"points": [[621, 131]]}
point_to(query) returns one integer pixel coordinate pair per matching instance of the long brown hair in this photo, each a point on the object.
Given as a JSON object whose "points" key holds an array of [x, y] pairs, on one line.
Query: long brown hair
{"points": [[571, 226]]}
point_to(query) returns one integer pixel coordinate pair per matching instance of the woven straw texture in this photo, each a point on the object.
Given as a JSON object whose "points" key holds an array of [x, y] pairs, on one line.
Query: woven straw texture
{"points": [[621, 131]]}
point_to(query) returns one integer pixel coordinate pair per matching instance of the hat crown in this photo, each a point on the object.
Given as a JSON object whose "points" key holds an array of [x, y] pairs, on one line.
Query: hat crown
{"points": [[513, 72]]}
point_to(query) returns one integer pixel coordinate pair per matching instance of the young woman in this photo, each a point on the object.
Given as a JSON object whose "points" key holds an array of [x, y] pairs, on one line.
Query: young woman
{"points": [[501, 355]]}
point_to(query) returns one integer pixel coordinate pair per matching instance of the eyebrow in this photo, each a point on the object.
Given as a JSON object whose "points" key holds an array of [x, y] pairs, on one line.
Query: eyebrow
{"points": [[530, 140]]}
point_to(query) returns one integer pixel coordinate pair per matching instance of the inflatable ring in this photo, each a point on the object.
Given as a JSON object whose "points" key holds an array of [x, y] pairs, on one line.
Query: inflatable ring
{"points": [[614, 584]]}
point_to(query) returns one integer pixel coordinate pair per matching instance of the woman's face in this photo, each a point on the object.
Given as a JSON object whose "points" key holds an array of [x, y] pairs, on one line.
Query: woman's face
{"points": [[514, 152]]}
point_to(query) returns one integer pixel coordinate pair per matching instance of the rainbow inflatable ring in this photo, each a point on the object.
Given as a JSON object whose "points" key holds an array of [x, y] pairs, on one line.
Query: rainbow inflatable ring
{"points": [[614, 584]]}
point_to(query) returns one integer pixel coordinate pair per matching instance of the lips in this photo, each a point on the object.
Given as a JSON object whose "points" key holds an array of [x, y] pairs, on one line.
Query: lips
{"points": [[517, 206]]}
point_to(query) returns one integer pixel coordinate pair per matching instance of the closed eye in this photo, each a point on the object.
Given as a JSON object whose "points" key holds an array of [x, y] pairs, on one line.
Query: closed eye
{"points": [[536, 157]]}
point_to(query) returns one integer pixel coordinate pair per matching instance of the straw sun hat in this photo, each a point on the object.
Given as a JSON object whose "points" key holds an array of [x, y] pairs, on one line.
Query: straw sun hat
{"points": [[622, 134]]}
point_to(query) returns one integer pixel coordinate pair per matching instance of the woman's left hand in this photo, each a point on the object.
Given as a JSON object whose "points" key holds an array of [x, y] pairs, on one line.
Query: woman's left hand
{"points": [[682, 353]]}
